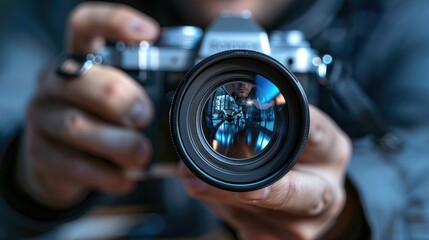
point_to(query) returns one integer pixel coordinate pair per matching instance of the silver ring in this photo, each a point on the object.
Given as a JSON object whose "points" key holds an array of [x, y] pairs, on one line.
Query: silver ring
{"points": [[73, 65]]}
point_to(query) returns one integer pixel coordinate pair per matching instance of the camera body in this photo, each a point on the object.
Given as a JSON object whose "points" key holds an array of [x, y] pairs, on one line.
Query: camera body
{"points": [[160, 66], [180, 48]]}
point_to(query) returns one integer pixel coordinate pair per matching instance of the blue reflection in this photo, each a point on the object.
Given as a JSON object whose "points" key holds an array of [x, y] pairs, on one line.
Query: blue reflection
{"points": [[266, 90], [238, 139], [240, 117]]}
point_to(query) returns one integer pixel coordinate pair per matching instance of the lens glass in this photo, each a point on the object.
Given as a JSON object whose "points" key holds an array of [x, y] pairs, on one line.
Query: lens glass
{"points": [[239, 117]]}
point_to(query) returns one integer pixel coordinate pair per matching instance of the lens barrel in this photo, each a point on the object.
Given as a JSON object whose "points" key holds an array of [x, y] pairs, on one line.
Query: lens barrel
{"points": [[239, 120]]}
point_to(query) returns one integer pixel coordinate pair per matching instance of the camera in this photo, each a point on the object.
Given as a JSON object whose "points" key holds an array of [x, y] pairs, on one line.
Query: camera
{"points": [[231, 100]]}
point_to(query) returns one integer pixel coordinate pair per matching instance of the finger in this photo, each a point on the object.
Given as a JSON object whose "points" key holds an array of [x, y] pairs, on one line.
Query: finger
{"points": [[126, 148], [248, 225], [265, 224], [327, 143], [66, 173], [106, 92], [298, 193], [45, 186], [90, 22]]}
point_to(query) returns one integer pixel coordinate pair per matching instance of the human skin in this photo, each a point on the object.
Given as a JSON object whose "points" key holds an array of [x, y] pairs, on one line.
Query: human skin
{"points": [[242, 89], [301, 205], [74, 127], [201, 12]]}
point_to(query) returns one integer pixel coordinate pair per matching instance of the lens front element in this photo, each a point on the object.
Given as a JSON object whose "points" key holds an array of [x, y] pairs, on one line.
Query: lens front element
{"points": [[239, 120]]}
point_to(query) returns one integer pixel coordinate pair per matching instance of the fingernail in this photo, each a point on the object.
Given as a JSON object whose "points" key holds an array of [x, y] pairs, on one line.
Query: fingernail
{"points": [[140, 28], [139, 115], [136, 25], [254, 196], [195, 185]]}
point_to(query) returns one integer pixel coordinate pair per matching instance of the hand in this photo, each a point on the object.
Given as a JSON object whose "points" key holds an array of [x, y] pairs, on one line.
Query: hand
{"points": [[302, 205], [81, 134]]}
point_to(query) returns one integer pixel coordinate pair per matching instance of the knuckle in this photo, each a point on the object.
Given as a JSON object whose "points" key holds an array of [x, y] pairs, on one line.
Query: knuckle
{"points": [[117, 95], [116, 90], [323, 203], [112, 88], [73, 123]]}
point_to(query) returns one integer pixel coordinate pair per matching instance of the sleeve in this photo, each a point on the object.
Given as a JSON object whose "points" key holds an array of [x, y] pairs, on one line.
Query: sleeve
{"points": [[394, 187], [26, 45]]}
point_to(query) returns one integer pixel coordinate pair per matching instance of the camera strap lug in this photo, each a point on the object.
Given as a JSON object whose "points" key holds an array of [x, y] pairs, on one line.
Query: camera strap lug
{"points": [[353, 100]]}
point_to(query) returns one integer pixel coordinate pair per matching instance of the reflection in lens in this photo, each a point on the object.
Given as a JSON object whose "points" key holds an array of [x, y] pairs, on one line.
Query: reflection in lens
{"points": [[240, 117]]}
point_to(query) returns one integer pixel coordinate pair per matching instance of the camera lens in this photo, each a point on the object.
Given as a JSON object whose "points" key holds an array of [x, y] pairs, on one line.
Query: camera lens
{"points": [[239, 120]]}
